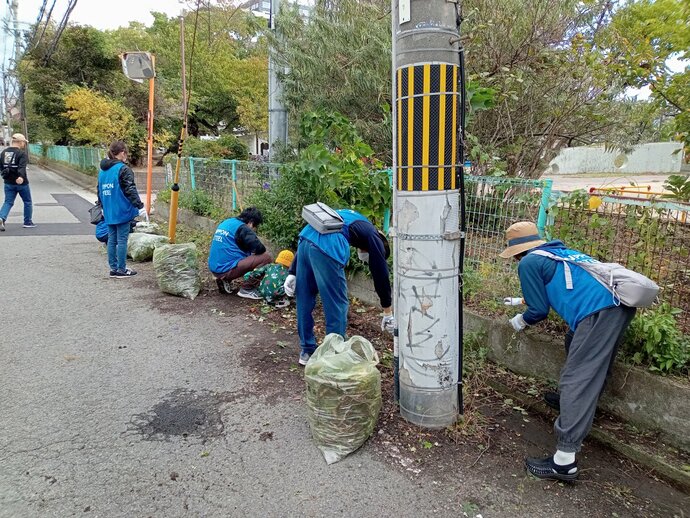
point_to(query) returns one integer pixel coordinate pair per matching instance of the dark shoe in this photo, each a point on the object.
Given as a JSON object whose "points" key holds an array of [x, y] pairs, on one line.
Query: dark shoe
{"points": [[30, 224], [548, 469], [249, 294], [124, 275], [553, 399], [2, 225], [113, 273], [224, 287]]}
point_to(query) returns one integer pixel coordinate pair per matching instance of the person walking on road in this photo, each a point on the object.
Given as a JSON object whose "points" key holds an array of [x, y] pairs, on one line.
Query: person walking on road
{"points": [[597, 323], [319, 268], [236, 250], [120, 200], [13, 161]]}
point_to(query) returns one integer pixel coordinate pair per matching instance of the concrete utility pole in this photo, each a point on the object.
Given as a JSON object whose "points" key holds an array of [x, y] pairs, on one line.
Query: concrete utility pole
{"points": [[427, 167], [277, 114], [14, 9]]}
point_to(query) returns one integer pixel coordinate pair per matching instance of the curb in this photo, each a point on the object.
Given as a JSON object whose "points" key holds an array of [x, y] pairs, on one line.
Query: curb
{"points": [[665, 470]]}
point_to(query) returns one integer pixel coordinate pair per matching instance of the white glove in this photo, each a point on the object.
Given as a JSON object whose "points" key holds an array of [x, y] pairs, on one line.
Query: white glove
{"points": [[518, 322], [144, 214], [388, 323], [290, 285], [513, 301]]}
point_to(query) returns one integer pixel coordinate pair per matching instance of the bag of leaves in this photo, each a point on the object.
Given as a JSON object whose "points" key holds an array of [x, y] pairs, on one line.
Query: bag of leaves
{"points": [[343, 395], [177, 269], [146, 227], [140, 246]]}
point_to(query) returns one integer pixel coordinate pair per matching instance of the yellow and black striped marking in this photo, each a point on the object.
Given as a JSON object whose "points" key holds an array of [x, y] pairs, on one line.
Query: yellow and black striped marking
{"points": [[427, 103]]}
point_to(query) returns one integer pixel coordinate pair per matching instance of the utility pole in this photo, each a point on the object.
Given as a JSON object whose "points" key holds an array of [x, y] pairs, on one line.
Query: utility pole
{"points": [[14, 9], [277, 114], [427, 238]]}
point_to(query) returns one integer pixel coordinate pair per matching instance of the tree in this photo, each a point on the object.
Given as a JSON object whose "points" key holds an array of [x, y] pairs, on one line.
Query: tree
{"points": [[97, 120], [643, 36]]}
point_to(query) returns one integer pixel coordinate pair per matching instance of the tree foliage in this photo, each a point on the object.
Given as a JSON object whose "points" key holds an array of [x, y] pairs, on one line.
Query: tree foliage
{"points": [[96, 119]]}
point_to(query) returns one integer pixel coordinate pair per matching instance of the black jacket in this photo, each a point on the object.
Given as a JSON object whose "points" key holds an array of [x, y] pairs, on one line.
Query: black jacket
{"points": [[13, 162], [248, 241], [126, 177]]}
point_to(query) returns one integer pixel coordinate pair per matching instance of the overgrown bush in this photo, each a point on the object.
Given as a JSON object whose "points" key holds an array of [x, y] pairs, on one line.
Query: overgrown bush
{"points": [[335, 167], [227, 147], [654, 339]]}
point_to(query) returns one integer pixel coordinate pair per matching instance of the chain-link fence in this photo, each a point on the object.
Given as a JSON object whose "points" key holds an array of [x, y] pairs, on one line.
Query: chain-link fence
{"points": [[650, 237], [83, 158], [493, 204], [229, 183]]}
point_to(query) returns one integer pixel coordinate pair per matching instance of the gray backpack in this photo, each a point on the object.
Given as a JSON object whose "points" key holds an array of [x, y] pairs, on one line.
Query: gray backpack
{"points": [[627, 287], [322, 218]]}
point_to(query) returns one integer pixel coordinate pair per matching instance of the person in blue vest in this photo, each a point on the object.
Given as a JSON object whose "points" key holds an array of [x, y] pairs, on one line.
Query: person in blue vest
{"points": [[120, 200], [597, 324], [319, 268], [236, 250]]}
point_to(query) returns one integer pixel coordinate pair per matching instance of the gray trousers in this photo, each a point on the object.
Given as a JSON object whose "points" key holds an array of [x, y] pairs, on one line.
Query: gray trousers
{"points": [[590, 357]]}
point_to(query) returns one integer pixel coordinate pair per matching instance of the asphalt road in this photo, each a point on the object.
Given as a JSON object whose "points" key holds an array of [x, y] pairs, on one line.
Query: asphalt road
{"points": [[112, 406]]}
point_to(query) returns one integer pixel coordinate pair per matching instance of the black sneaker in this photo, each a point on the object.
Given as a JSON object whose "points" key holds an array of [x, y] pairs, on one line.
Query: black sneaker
{"points": [[553, 399], [123, 275], [548, 469], [2, 225], [113, 273], [224, 287], [30, 224]]}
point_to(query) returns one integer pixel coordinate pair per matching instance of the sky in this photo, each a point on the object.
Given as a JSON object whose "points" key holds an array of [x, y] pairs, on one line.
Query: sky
{"points": [[103, 14]]}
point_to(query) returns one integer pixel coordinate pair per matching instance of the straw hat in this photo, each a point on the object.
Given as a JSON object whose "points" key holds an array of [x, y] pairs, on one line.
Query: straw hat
{"points": [[285, 258], [521, 236]]}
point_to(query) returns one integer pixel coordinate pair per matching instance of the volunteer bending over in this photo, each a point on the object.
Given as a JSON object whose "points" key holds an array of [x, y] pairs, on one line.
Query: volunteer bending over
{"points": [[319, 268], [598, 323]]}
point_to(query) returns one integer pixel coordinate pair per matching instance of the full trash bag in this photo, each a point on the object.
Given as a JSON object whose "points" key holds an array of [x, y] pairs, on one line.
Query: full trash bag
{"points": [[177, 269], [146, 227], [140, 246], [343, 395]]}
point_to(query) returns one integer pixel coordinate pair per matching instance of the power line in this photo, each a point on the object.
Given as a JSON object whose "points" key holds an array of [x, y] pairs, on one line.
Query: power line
{"points": [[45, 26], [58, 34]]}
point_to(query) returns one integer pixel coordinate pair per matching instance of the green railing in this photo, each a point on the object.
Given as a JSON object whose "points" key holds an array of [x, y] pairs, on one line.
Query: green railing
{"points": [[80, 157]]}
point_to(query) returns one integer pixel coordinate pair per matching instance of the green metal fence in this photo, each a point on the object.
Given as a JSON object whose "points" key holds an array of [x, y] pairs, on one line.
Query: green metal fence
{"points": [[81, 157]]}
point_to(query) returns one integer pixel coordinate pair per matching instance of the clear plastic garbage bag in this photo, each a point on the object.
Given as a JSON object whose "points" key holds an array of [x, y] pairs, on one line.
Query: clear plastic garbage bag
{"points": [[146, 227], [343, 395], [177, 269], [140, 246]]}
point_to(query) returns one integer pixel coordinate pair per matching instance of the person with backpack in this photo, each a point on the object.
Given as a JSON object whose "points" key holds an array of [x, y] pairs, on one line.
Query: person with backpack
{"points": [[13, 161], [319, 268], [597, 320], [118, 195]]}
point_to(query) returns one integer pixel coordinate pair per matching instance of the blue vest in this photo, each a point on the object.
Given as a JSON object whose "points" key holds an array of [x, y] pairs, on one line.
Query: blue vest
{"points": [[117, 209], [225, 254], [335, 245], [588, 296]]}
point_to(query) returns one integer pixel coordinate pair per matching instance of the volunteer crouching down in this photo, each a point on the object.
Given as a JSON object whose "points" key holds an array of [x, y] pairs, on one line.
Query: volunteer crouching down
{"points": [[236, 250], [597, 324], [319, 267]]}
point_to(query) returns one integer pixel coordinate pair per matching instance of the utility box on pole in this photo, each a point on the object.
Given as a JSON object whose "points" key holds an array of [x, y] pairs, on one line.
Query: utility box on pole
{"points": [[427, 164]]}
